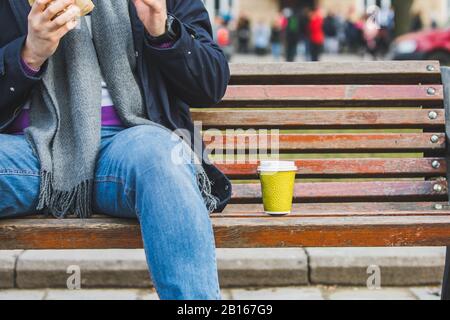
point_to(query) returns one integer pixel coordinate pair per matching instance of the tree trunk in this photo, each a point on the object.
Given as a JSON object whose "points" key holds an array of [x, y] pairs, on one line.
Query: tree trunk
{"points": [[402, 16]]}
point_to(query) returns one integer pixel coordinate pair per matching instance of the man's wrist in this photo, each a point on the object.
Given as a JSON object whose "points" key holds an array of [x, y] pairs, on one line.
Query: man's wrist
{"points": [[31, 60], [170, 35], [29, 70]]}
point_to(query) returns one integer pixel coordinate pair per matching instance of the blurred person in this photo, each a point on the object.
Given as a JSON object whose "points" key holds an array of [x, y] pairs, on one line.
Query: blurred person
{"points": [[303, 36], [330, 29], [218, 21], [316, 34], [283, 20], [223, 37], [434, 22], [341, 29], [377, 31], [416, 22], [227, 17], [386, 34], [386, 18], [276, 39], [371, 30], [261, 38], [243, 32], [292, 34], [359, 41], [349, 31]]}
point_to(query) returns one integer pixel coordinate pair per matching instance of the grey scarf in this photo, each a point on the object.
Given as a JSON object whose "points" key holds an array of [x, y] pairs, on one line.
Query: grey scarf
{"points": [[66, 108]]}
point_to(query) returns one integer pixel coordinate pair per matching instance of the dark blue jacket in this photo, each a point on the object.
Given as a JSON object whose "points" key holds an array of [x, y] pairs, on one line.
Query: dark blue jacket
{"points": [[194, 72]]}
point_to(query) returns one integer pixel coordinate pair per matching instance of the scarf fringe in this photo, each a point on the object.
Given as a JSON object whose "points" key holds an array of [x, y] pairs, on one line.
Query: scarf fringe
{"points": [[205, 186], [60, 203], [79, 200]]}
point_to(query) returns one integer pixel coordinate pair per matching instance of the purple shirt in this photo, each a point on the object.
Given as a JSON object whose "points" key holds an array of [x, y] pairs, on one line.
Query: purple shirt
{"points": [[110, 118]]}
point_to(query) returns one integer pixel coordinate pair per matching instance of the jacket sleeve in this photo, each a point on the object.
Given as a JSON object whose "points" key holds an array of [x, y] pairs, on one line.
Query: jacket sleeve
{"points": [[15, 84], [194, 65]]}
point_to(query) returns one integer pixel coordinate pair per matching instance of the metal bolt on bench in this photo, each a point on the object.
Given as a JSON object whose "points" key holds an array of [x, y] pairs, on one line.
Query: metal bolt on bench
{"points": [[433, 115]]}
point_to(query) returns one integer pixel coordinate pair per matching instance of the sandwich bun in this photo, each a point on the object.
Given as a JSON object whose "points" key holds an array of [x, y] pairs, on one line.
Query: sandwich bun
{"points": [[86, 6]]}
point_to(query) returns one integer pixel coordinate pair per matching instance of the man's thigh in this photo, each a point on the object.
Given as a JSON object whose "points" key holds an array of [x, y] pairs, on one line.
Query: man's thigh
{"points": [[19, 177]]}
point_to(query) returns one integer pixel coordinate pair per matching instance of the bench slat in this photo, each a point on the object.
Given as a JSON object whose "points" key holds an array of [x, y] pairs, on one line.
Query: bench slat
{"points": [[323, 210], [320, 119], [349, 168], [333, 232], [332, 96], [343, 209], [376, 72], [353, 231], [371, 191], [329, 143]]}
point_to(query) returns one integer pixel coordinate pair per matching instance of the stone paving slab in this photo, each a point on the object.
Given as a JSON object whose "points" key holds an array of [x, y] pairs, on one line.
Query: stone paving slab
{"points": [[397, 266], [100, 294], [426, 293], [368, 294], [237, 267], [277, 294], [262, 267], [17, 294], [128, 268], [7, 268], [98, 268]]}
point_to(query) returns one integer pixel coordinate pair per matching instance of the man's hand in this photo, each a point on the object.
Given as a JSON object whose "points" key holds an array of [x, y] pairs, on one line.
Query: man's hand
{"points": [[48, 22], [153, 14]]}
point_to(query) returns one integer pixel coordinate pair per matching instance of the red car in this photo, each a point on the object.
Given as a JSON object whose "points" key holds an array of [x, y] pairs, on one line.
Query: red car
{"points": [[424, 45]]}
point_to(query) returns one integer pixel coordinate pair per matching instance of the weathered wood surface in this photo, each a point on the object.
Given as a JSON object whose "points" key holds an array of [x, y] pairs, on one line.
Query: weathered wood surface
{"points": [[328, 143], [333, 232], [386, 72], [370, 191], [320, 119], [354, 231], [348, 209], [333, 96], [336, 209], [350, 168]]}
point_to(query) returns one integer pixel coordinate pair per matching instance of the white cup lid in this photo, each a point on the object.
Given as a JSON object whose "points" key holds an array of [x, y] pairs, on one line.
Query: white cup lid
{"points": [[277, 166]]}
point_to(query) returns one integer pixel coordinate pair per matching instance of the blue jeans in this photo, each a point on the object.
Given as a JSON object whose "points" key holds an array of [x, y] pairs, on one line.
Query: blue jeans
{"points": [[135, 179]]}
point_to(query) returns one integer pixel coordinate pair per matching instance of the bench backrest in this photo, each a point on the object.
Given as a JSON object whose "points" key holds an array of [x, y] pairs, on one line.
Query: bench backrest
{"points": [[359, 132]]}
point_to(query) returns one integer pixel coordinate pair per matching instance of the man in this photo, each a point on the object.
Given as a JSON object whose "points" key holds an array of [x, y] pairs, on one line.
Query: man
{"points": [[87, 111]]}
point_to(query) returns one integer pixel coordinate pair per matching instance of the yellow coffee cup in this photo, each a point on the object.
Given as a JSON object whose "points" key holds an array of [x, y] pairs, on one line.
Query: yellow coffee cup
{"points": [[277, 186]]}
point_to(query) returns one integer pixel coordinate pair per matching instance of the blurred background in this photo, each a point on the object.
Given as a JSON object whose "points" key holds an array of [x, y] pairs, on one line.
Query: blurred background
{"points": [[328, 30]]}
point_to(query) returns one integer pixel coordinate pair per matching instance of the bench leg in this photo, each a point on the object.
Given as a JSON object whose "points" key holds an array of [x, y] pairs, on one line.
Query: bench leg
{"points": [[446, 282]]}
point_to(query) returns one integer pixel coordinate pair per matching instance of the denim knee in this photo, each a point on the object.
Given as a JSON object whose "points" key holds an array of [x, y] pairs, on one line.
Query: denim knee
{"points": [[151, 152]]}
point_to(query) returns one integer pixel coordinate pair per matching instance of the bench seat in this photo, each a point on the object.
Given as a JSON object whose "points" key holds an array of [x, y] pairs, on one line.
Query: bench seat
{"points": [[369, 140], [246, 226]]}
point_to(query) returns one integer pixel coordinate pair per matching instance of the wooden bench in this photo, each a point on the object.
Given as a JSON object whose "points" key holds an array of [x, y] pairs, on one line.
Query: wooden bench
{"points": [[369, 140]]}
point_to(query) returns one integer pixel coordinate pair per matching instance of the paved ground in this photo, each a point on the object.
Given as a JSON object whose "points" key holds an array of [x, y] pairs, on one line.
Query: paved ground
{"points": [[263, 268], [286, 293]]}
